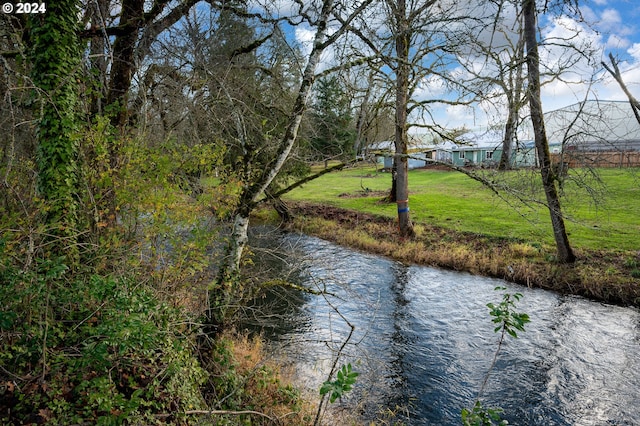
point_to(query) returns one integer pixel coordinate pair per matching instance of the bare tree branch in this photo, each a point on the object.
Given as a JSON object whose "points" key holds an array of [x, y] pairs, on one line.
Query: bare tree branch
{"points": [[615, 72]]}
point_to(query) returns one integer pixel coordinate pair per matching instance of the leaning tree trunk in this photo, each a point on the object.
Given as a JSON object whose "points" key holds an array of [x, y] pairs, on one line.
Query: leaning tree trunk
{"points": [[565, 253], [229, 271], [401, 162], [55, 59], [617, 75]]}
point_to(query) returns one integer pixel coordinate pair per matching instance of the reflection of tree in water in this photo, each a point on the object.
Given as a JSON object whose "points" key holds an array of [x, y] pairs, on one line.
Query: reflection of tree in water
{"points": [[423, 340], [275, 309], [400, 390]]}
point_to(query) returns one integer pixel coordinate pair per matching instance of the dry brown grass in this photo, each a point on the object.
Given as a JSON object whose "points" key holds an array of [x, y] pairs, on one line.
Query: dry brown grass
{"points": [[254, 381], [272, 388]]}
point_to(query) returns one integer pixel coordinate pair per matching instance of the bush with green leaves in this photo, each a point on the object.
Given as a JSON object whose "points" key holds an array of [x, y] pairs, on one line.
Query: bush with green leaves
{"points": [[481, 416], [80, 348], [504, 314]]}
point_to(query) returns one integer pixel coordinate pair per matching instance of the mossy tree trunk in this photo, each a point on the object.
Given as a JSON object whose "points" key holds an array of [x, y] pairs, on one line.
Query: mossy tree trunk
{"points": [[55, 57], [124, 62], [400, 161]]}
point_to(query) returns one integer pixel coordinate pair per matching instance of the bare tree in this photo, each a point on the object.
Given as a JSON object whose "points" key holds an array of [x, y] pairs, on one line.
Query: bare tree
{"points": [[370, 98], [549, 178], [258, 185], [414, 41], [494, 59]]}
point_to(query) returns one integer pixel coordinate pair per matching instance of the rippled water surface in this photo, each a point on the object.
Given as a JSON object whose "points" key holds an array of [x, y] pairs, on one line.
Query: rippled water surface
{"points": [[423, 341]]}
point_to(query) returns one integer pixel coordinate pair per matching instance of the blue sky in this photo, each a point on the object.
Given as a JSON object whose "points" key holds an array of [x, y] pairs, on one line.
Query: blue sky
{"points": [[616, 23], [607, 26]]}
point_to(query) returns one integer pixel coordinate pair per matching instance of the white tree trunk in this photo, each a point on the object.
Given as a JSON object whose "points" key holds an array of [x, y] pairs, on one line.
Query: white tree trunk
{"points": [[239, 239], [254, 190]]}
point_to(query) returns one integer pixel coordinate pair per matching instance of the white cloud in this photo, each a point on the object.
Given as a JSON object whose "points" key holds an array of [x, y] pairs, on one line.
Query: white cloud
{"points": [[574, 48], [601, 32], [430, 88], [304, 35], [275, 8], [610, 18], [634, 51], [461, 114], [616, 42], [589, 15]]}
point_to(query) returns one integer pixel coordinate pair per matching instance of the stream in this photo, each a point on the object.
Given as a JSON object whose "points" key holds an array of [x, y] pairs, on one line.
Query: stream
{"points": [[423, 340]]}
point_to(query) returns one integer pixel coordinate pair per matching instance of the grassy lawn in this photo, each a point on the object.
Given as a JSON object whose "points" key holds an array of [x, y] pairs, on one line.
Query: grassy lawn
{"points": [[610, 219]]}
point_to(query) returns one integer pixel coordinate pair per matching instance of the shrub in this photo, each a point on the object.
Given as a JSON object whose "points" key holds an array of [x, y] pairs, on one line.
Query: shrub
{"points": [[88, 348]]}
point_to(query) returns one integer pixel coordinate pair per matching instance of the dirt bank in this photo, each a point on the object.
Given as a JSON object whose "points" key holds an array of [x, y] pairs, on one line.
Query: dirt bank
{"points": [[612, 277]]}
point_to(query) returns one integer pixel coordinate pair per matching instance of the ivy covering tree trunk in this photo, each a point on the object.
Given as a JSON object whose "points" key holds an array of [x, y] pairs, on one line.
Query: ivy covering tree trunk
{"points": [[55, 56], [549, 179]]}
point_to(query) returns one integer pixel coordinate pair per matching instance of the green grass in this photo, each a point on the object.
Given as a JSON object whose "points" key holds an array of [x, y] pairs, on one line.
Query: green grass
{"points": [[607, 216]]}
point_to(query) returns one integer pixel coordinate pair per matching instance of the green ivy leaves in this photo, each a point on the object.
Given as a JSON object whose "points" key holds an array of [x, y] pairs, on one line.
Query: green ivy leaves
{"points": [[55, 59]]}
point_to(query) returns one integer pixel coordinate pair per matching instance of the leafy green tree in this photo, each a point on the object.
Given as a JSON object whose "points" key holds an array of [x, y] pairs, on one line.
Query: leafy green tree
{"points": [[333, 132]]}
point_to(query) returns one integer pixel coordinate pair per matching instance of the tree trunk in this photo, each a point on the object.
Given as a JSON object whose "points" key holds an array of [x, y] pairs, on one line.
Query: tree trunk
{"points": [[362, 117], [513, 91], [124, 61], [393, 194], [55, 61], [129, 48], [401, 162], [617, 75], [282, 209], [98, 50], [228, 277], [253, 190], [509, 137], [564, 251]]}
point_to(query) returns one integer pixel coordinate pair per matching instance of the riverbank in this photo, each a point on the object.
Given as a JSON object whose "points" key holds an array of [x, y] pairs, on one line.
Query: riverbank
{"points": [[603, 275]]}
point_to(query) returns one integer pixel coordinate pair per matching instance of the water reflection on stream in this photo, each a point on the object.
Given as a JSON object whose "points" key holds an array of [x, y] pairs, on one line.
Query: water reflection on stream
{"points": [[423, 341]]}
